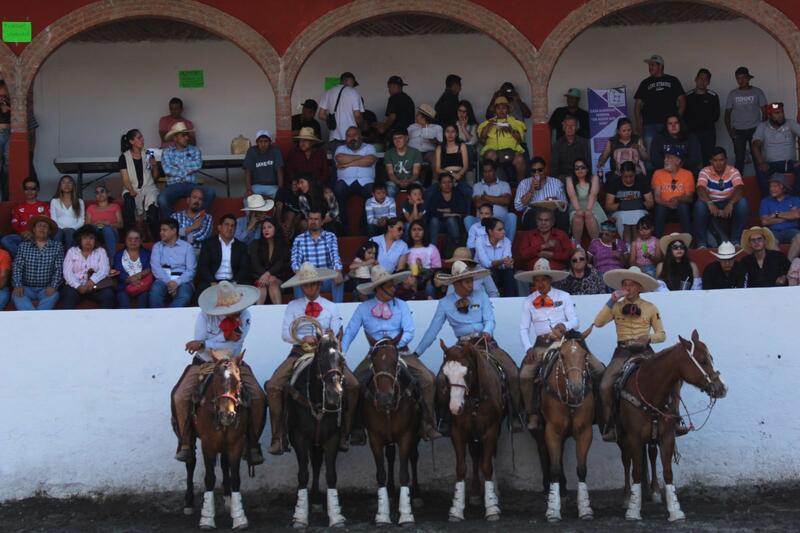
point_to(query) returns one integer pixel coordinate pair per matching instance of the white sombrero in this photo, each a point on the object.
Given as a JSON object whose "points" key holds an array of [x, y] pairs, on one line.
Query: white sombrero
{"points": [[178, 127], [726, 250], [256, 202], [308, 273], [666, 240], [461, 271], [614, 278], [379, 276], [226, 298], [541, 268]]}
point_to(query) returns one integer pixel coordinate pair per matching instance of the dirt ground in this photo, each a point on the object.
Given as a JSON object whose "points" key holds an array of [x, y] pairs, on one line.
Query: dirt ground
{"points": [[771, 508]]}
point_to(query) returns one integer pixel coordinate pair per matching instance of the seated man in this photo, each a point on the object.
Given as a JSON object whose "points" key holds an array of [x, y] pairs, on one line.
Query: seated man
{"points": [[173, 263], [166, 123], [194, 223], [480, 284], [403, 163], [538, 188], [726, 272], [424, 134], [504, 135], [38, 267], [355, 162], [263, 167], [308, 158], [569, 148], [720, 194], [321, 249], [545, 242], [223, 258], [780, 211], [23, 212], [774, 148], [673, 191], [765, 265], [248, 226], [496, 193], [446, 209], [181, 164]]}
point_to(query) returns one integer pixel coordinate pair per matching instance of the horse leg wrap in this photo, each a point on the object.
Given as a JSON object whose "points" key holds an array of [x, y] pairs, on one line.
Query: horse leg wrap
{"points": [[553, 513], [300, 518], [490, 501], [382, 517], [673, 505], [584, 506], [406, 514], [237, 511], [457, 509], [335, 517], [634, 511], [207, 512]]}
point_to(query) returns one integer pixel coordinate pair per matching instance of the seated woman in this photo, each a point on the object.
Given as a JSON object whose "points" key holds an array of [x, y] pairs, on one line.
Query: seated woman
{"points": [[423, 259], [360, 270], [86, 272], [451, 157], [493, 252], [584, 210], [67, 211], [609, 251], [677, 271], [623, 147], [106, 216], [269, 261], [392, 249], [134, 277], [582, 278]]}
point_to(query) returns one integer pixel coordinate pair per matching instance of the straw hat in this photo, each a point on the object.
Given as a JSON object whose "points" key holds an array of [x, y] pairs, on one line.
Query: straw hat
{"points": [[666, 240], [541, 268], [427, 110], [772, 243], [308, 273], [614, 278], [726, 250], [256, 202], [461, 271], [41, 218], [306, 134], [462, 254], [380, 276], [178, 127], [226, 298]]}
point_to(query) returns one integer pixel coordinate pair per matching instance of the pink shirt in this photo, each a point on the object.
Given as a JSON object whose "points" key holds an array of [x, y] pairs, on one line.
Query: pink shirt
{"points": [[107, 216], [602, 253], [76, 267], [428, 256]]}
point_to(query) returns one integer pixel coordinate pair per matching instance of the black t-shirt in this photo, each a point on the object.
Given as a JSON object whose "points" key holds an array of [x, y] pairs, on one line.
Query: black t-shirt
{"points": [[447, 108], [561, 113], [137, 165], [659, 97], [702, 111], [403, 108], [629, 198], [299, 122]]}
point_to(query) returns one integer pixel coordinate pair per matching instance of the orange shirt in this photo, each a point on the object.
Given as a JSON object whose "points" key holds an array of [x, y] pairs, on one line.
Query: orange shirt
{"points": [[667, 188], [5, 260]]}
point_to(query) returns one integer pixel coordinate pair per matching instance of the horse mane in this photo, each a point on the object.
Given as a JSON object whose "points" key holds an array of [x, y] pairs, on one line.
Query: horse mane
{"points": [[486, 374]]}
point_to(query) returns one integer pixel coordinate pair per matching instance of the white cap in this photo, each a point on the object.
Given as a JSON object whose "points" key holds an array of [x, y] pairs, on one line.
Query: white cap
{"points": [[263, 133]]}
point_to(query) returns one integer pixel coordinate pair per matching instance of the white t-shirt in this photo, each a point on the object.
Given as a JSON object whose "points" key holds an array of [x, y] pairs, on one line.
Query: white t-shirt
{"points": [[419, 137], [349, 103]]}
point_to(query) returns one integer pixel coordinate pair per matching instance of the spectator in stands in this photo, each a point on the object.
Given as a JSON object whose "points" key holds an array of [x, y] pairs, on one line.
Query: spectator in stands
{"points": [[673, 192], [677, 271], [37, 270], [451, 157], [645, 252], [23, 212], [379, 209], [67, 211], [403, 163], [356, 163], [173, 262], [333, 219], [622, 147], [223, 258], [743, 113], [321, 249], [5, 275], [305, 119], [582, 278], [539, 189], [307, 197], [5, 138], [476, 231], [446, 209], [516, 107], [399, 109], [546, 242], [360, 270], [780, 211], [423, 258], [392, 249], [263, 167], [568, 149], [86, 272], [168, 122], [424, 134], [467, 126], [482, 284], [585, 211], [493, 252], [414, 206], [341, 108], [106, 216], [248, 227], [608, 252], [269, 261], [307, 158], [720, 194], [369, 129], [774, 148], [572, 109], [675, 137], [503, 135], [181, 164], [702, 113], [726, 273], [658, 96], [447, 105], [134, 275], [628, 199], [139, 171], [764, 265], [194, 223], [498, 195]]}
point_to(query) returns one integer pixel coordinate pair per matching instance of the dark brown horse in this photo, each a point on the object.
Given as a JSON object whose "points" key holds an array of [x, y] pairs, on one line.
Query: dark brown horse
{"points": [[477, 406], [392, 417], [645, 415]]}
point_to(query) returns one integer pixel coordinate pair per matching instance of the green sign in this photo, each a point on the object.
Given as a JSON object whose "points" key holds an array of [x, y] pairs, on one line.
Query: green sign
{"points": [[16, 32], [331, 81], [191, 79]]}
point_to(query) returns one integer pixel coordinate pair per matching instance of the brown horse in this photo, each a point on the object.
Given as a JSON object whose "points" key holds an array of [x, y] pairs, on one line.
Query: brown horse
{"points": [[645, 415], [392, 417], [477, 406]]}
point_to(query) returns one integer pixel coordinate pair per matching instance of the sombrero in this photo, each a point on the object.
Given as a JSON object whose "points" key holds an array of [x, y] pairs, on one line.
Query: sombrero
{"points": [[256, 202], [614, 278], [178, 127], [541, 268], [550, 205], [427, 110], [462, 254], [772, 243], [666, 240], [308, 273], [461, 271], [306, 134], [379, 276], [41, 218], [226, 298], [726, 250]]}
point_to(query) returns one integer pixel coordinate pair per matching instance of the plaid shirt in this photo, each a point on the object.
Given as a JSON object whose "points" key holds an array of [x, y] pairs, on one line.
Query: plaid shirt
{"points": [[38, 267], [196, 237], [181, 166], [322, 252]]}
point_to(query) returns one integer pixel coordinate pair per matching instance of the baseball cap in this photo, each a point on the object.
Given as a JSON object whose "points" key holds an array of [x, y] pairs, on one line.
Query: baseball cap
{"points": [[396, 80], [507, 87], [573, 93], [263, 133], [346, 75], [774, 106], [655, 58], [311, 104], [780, 178], [743, 71], [674, 150]]}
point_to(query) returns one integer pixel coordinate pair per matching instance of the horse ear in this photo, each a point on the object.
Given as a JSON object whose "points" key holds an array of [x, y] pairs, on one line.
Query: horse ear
{"points": [[214, 356], [340, 335], [370, 340], [443, 345], [683, 341], [399, 336], [695, 336], [238, 359], [587, 332]]}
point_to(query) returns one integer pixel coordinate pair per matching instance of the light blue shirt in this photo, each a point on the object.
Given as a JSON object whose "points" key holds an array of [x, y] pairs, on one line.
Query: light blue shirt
{"points": [[388, 259], [478, 319], [165, 261], [363, 175], [378, 328], [241, 233], [486, 285]]}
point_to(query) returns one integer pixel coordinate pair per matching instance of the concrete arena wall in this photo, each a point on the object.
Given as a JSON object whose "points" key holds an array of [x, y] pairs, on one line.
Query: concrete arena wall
{"points": [[86, 397]]}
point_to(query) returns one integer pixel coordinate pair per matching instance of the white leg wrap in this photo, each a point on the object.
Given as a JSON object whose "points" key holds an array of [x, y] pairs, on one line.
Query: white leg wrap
{"points": [[335, 517], [237, 511], [207, 512], [382, 517], [406, 514], [553, 513], [673, 505], [300, 518], [584, 505], [457, 509], [490, 501], [634, 511]]}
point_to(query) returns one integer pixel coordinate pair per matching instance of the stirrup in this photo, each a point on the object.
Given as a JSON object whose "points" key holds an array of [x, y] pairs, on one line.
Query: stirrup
{"points": [[680, 428], [444, 426], [430, 433], [276, 448]]}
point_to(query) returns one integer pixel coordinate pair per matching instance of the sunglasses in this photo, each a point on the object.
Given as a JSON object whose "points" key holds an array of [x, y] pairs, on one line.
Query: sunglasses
{"points": [[578, 259], [537, 170], [674, 184], [580, 167], [756, 239], [100, 191], [33, 189], [721, 183], [631, 310], [678, 247]]}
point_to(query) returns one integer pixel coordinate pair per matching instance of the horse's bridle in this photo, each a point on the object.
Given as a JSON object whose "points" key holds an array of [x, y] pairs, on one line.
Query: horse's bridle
{"points": [[235, 397], [566, 370], [708, 377], [458, 385], [394, 377], [338, 374]]}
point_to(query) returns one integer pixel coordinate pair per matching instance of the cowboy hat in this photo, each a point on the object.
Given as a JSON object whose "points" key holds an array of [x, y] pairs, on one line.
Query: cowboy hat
{"points": [[306, 134], [462, 254], [541, 268], [614, 278], [178, 127], [666, 240], [726, 250], [308, 273], [379, 276], [426, 110], [550, 205], [256, 202], [226, 298], [41, 218], [461, 271], [772, 243]]}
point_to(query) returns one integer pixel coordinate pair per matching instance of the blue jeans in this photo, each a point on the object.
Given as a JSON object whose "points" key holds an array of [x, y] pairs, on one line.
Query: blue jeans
{"points": [[343, 192], [336, 290], [158, 295], [124, 300], [785, 236], [66, 236], [5, 138], [110, 236], [780, 167], [451, 225], [504, 279], [684, 212], [25, 303], [509, 223], [743, 137], [176, 191], [702, 219], [11, 243], [265, 190], [5, 295]]}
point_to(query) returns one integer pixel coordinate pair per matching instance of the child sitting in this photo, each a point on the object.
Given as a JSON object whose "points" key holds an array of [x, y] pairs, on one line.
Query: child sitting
{"points": [[361, 268], [380, 208], [645, 252]]}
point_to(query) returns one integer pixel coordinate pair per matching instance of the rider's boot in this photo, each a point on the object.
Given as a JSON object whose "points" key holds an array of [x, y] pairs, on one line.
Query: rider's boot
{"points": [[276, 447]]}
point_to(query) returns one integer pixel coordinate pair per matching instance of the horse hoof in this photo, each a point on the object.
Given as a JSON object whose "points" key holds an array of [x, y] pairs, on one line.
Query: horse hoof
{"points": [[475, 500], [553, 518], [493, 517], [417, 503], [299, 525], [317, 508], [338, 524], [188, 511], [208, 525], [453, 518], [587, 516], [240, 524], [676, 517]]}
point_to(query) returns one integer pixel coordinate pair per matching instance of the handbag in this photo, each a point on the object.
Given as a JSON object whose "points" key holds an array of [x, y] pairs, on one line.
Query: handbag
{"points": [[141, 286], [330, 121], [105, 283]]}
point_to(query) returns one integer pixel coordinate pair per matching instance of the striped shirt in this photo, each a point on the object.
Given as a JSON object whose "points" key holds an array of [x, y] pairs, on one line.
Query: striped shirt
{"points": [[38, 267], [376, 211], [551, 188], [719, 188], [322, 252], [181, 166], [197, 237]]}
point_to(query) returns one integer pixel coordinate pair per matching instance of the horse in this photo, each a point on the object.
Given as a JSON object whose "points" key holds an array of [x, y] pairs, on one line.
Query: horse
{"points": [[476, 402], [315, 421], [392, 417], [645, 416]]}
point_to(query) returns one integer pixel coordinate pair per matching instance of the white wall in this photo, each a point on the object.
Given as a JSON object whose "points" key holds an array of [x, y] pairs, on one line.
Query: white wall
{"points": [[87, 95], [86, 400], [612, 57]]}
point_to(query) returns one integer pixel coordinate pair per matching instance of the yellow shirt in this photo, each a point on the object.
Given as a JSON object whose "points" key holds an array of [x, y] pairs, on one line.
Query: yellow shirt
{"points": [[632, 327], [500, 138]]}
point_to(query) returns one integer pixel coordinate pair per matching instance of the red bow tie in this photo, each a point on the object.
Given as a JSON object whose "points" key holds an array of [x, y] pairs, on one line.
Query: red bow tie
{"points": [[313, 309], [542, 301], [229, 326]]}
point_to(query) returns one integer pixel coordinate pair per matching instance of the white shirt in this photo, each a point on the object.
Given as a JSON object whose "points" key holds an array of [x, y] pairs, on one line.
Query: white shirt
{"points": [[498, 188], [363, 175], [206, 329], [65, 217], [225, 271], [329, 318], [486, 252], [419, 137], [349, 103], [544, 319]]}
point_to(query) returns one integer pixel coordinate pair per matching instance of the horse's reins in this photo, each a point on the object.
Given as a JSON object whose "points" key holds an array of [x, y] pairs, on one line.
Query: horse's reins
{"points": [[584, 372]]}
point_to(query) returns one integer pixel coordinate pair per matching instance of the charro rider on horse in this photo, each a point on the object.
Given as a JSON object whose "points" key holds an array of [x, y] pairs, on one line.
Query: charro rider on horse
{"points": [[384, 316], [309, 278], [471, 316], [221, 327]]}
